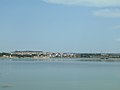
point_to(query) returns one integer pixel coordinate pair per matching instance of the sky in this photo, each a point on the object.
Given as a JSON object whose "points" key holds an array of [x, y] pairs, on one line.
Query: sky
{"points": [[81, 26]]}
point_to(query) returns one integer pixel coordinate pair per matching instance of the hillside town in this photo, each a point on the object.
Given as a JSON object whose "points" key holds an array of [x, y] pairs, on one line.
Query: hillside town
{"points": [[42, 54]]}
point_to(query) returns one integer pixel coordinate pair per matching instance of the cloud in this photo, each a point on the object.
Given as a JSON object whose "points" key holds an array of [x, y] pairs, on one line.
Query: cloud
{"points": [[112, 13], [116, 27], [94, 3], [117, 40]]}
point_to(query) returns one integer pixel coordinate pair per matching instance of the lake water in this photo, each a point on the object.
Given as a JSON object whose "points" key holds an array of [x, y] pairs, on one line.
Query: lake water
{"points": [[58, 74]]}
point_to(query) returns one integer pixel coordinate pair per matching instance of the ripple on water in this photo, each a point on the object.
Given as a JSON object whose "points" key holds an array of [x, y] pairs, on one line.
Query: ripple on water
{"points": [[6, 86]]}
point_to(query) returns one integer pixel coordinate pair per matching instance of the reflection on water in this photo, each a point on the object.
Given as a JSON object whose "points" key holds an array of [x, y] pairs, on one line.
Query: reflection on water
{"points": [[58, 75]]}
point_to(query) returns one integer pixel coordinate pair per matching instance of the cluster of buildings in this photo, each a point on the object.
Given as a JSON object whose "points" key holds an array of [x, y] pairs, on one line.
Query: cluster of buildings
{"points": [[41, 54]]}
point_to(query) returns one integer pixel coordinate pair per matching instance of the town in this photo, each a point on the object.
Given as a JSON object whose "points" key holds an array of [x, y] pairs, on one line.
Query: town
{"points": [[42, 54]]}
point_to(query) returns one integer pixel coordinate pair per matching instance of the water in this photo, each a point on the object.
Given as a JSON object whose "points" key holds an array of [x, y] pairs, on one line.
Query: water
{"points": [[26, 74]]}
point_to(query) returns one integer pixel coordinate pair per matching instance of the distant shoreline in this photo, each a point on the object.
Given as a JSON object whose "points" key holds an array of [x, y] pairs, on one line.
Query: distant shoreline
{"points": [[64, 59], [55, 55]]}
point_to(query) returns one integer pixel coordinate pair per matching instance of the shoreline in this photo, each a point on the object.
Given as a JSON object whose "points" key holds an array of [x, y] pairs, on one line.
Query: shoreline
{"points": [[63, 59]]}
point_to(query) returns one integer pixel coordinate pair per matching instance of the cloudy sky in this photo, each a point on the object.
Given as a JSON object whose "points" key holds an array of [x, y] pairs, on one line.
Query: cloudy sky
{"points": [[60, 25]]}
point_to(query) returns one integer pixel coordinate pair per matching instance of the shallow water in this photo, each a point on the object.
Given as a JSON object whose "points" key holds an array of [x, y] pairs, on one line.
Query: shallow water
{"points": [[58, 75]]}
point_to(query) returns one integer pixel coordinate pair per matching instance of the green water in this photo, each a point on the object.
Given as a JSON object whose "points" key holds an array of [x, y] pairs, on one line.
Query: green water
{"points": [[58, 75]]}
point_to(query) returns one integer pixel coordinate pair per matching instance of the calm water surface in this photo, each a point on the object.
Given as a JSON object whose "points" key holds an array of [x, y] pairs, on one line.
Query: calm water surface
{"points": [[58, 75]]}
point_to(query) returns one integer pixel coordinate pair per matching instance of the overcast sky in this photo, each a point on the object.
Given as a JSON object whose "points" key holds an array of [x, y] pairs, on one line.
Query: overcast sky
{"points": [[60, 25]]}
